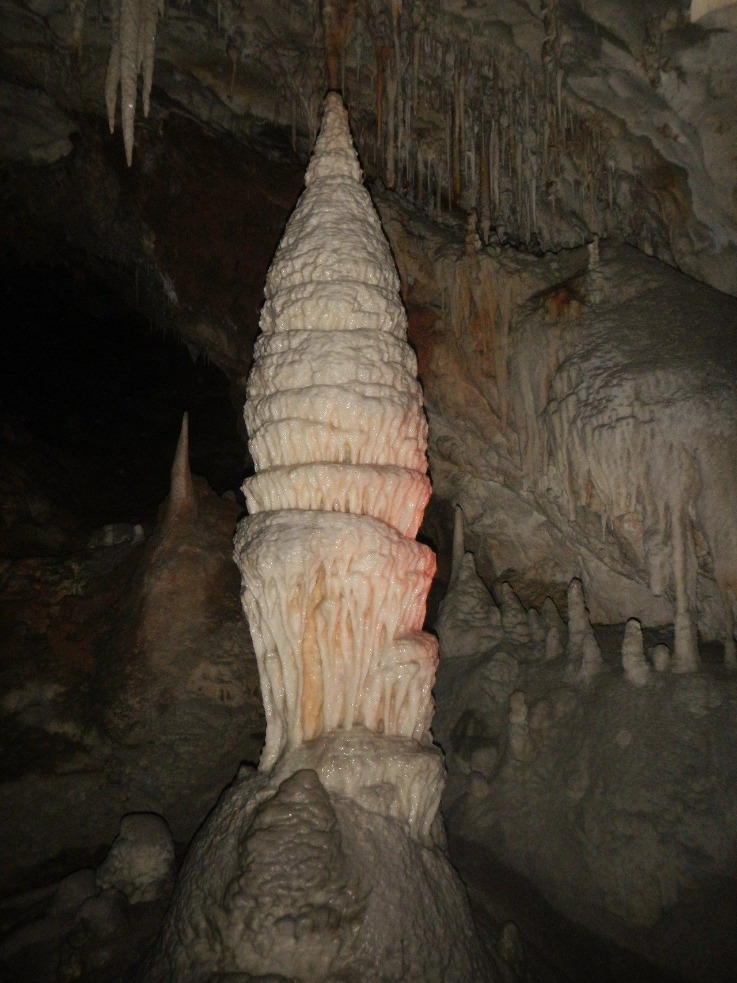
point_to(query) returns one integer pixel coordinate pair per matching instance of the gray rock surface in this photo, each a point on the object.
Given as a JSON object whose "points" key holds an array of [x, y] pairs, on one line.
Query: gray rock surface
{"points": [[141, 862], [612, 792], [292, 881]]}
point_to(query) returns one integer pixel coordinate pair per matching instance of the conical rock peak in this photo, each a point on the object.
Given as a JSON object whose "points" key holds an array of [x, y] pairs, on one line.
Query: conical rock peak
{"points": [[334, 154], [333, 269]]}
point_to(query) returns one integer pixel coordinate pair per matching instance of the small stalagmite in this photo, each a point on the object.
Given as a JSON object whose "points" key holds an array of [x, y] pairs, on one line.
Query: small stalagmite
{"points": [[583, 653], [634, 664], [334, 584]]}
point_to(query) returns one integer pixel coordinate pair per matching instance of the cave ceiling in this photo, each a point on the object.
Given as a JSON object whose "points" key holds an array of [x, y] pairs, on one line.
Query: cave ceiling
{"points": [[556, 121]]}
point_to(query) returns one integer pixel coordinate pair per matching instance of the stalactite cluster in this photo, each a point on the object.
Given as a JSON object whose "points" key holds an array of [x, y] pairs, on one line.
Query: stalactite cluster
{"points": [[591, 441], [452, 124], [451, 118], [131, 54]]}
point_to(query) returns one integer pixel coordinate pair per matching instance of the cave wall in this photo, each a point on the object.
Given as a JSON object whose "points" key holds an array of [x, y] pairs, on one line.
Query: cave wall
{"points": [[548, 128], [508, 341], [492, 327]]}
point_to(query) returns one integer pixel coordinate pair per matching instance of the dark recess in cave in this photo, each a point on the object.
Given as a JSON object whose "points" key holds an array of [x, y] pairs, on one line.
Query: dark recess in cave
{"points": [[91, 400]]}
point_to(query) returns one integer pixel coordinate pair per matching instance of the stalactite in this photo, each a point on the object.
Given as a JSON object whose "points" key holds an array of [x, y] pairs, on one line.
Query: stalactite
{"points": [[545, 146], [358, 35], [132, 51], [391, 107], [315, 100], [472, 180], [151, 10], [397, 115], [495, 165], [416, 49], [382, 56], [234, 54], [77, 10], [130, 34], [448, 155], [484, 188], [294, 120], [112, 77], [338, 17], [460, 74]]}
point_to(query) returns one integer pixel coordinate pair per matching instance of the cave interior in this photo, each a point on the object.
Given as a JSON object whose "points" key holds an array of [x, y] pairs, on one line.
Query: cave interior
{"points": [[557, 181]]}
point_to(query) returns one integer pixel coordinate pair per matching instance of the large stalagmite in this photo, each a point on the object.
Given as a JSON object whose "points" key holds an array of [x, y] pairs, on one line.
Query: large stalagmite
{"points": [[334, 587], [327, 863]]}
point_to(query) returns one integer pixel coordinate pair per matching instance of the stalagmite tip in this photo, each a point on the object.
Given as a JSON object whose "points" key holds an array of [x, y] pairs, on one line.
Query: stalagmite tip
{"points": [[182, 502], [334, 154]]}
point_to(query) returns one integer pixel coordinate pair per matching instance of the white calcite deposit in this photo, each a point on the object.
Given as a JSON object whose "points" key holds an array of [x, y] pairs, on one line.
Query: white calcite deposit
{"points": [[334, 585], [394, 495], [131, 54], [327, 863], [610, 784], [329, 599]]}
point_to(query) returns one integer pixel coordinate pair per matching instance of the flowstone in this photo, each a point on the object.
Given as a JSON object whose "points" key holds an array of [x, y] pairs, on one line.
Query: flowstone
{"points": [[607, 781], [287, 879]]}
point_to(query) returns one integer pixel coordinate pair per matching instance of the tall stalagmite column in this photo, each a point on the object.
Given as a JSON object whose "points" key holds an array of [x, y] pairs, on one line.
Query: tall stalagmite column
{"points": [[334, 583], [324, 864]]}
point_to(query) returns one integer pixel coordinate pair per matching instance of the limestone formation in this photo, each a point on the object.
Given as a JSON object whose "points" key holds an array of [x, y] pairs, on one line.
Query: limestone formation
{"points": [[521, 745], [660, 656], [287, 881], [555, 630], [582, 407], [468, 621], [635, 667], [596, 773], [131, 53], [324, 864], [334, 585], [141, 862], [514, 617], [583, 653]]}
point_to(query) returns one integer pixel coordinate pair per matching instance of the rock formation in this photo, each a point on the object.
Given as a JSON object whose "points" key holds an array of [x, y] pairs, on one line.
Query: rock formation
{"points": [[131, 53], [582, 413], [288, 875], [334, 587], [554, 122], [584, 768]]}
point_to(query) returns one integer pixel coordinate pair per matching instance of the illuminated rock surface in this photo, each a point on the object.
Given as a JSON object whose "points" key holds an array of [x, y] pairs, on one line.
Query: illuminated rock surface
{"points": [[576, 119], [334, 589], [329, 862]]}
